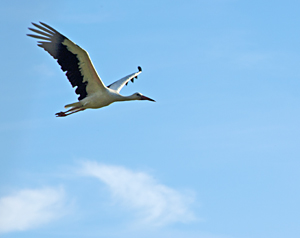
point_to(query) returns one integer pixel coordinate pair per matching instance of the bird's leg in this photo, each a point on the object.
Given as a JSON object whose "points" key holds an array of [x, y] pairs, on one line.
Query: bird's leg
{"points": [[69, 112], [80, 109], [60, 114]]}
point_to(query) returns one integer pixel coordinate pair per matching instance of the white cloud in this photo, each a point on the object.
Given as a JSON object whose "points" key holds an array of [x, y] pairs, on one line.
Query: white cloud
{"points": [[156, 203], [30, 208]]}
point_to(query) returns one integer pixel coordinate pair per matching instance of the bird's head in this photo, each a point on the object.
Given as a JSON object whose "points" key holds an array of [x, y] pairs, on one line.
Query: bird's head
{"points": [[139, 96]]}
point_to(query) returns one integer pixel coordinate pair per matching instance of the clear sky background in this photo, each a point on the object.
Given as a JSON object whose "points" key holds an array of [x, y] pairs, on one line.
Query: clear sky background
{"points": [[217, 156]]}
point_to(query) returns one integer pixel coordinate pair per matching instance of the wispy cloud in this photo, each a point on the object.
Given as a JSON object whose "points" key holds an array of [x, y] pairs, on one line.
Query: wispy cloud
{"points": [[29, 208], [155, 203]]}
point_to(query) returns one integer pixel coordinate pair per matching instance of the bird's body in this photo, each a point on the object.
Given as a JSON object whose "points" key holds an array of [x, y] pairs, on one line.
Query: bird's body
{"points": [[81, 73], [102, 99]]}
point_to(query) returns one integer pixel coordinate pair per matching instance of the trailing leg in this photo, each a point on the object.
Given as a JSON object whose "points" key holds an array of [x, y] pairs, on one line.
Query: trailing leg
{"points": [[69, 112]]}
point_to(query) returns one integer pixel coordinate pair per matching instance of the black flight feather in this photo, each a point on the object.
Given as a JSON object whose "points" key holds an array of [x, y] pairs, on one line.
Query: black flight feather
{"points": [[67, 60]]}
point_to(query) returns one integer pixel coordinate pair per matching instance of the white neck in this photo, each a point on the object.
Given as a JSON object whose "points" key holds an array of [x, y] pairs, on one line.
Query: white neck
{"points": [[127, 98]]}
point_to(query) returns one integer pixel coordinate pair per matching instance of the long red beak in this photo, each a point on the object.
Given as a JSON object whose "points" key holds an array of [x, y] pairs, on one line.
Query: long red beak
{"points": [[146, 98]]}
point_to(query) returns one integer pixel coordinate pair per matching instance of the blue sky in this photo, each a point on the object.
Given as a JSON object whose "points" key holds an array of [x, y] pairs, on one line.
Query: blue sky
{"points": [[217, 155]]}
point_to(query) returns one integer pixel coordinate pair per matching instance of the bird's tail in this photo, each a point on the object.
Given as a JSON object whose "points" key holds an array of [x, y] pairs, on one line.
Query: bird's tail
{"points": [[75, 104]]}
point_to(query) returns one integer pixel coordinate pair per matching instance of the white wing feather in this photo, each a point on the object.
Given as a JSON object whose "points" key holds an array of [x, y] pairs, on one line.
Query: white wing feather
{"points": [[119, 84]]}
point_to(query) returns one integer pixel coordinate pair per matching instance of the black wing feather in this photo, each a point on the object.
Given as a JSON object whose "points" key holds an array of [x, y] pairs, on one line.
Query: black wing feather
{"points": [[67, 60]]}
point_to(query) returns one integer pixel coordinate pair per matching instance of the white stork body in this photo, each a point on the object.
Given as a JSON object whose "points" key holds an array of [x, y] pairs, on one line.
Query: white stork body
{"points": [[81, 72]]}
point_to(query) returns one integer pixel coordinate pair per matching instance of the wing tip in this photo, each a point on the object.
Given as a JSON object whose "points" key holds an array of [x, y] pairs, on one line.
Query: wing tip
{"points": [[140, 68]]}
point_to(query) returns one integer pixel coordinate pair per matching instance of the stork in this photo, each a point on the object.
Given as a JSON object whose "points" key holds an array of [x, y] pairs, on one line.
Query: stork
{"points": [[81, 73]]}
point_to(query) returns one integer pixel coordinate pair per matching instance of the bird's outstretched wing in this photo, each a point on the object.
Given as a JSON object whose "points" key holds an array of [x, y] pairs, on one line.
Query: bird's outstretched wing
{"points": [[72, 59], [118, 85]]}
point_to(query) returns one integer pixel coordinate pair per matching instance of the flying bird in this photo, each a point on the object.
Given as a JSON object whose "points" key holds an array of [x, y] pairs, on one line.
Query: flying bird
{"points": [[81, 73]]}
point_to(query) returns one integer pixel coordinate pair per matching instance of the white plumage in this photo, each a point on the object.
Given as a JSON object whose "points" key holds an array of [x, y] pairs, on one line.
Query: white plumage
{"points": [[81, 73]]}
